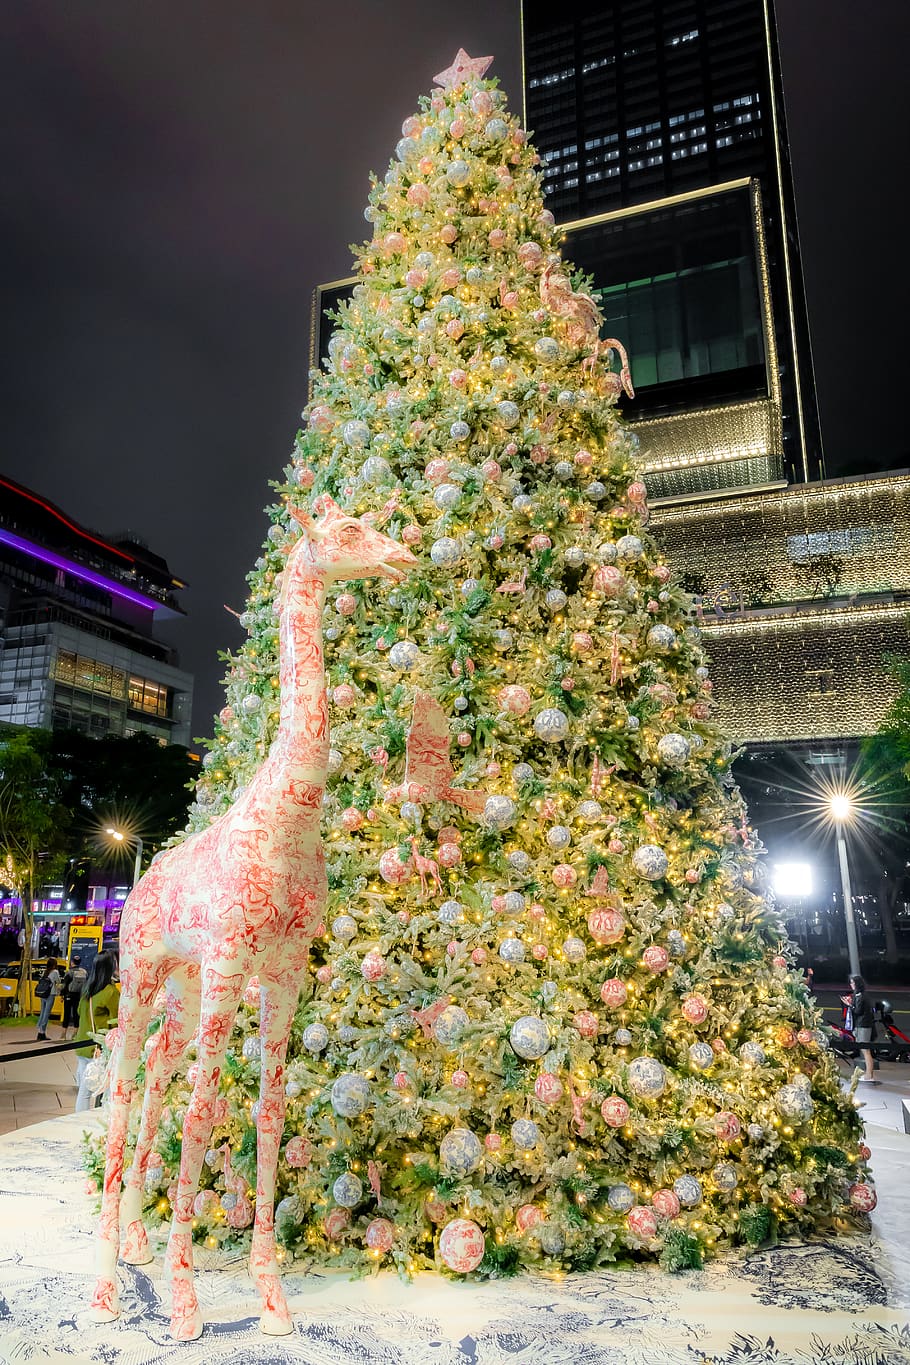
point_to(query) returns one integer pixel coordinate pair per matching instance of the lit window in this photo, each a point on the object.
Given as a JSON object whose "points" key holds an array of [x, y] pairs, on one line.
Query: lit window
{"points": [[725, 141], [654, 142], [678, 38]]}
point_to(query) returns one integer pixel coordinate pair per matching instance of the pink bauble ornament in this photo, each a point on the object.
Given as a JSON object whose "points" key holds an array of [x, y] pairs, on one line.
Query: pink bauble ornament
{"points": [[540, 542], [240, 1216], [204, 1203], [608, 580], [530, 255], [298, 1153], [493, 769], [373, 966], [436, 472], [582, 642], [344, 695], [458, 378], [491, 470], [864, 1152], [380, 1235], [452, 948], [587, 1023], [695, 1009], [393, 243], [498, 904], [536, 912], [448, 233], [614, 992], [461, 1245], [418, 195], [564, 875], [642, 1222], [482, 101], [606, 925], [528, 1216], [450, 277], [403, 917], [514, 699], [346, 604], [863, 1196], [324, 974], [616, 846], [449, 855], [492, 1142], [425, 165], [548, 1088], [321, 418], [336, 1222], [567, 684], [391, 868], [656, 958], [727, 1126], [412, 535], [637, 493], [666, 1203], [540, 952], [464, 739], [693, 875], [806, 1037], [497, 238], [718, 1045], [435, 1209], [779, 961], [401, 1080], [615, 1111], [351, 818], [479, 956], [449, 834], [457, 128], [459, 1079], [786, 1036]]}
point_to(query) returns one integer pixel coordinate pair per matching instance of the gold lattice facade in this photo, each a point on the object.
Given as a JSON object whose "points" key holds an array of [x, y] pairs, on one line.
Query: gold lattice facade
{"points": [[804, 598]]}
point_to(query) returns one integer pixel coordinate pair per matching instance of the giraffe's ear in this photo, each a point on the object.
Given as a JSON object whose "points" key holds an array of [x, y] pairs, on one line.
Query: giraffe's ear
{"points": [[301, 516]]}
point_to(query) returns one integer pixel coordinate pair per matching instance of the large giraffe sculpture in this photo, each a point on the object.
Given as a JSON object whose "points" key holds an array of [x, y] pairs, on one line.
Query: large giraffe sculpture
{"points": [[242, 897]]}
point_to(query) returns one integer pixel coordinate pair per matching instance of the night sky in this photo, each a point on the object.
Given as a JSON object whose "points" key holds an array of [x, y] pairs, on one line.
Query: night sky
{"points": [[177, 178]]}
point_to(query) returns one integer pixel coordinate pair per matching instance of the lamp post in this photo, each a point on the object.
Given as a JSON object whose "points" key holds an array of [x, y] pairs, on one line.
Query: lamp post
{"points": [[120, 838], [840, 808]]}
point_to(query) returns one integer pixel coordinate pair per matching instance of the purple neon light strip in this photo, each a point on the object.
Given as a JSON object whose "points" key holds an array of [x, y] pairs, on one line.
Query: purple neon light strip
{"points": [[78, 571]]}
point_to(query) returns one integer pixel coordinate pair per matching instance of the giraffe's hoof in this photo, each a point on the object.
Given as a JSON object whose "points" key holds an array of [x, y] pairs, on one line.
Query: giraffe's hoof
{"points": [[276, 1324], [186, 1326], [136, 1249], [105, 1305]]}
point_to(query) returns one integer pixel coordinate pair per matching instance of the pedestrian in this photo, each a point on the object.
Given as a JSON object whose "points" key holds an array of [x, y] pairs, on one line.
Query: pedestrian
{"points": [[73, 982], [47, 990], [98, 1006], [861, 1022]]}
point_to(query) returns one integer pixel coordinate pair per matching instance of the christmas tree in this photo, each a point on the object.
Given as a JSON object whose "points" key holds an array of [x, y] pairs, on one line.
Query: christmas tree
{"points": [[553, 1018]]}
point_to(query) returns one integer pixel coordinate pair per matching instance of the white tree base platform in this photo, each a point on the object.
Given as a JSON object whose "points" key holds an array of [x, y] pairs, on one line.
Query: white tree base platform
{"points": [[833, 1303]]}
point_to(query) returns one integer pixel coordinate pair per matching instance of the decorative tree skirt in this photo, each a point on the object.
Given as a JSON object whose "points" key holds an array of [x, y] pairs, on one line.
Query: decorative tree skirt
{"points": [[843, 1303]]}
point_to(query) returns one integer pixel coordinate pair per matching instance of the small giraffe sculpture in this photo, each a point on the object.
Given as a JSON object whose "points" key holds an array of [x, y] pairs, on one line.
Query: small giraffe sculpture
{"points": [[244, 896]]}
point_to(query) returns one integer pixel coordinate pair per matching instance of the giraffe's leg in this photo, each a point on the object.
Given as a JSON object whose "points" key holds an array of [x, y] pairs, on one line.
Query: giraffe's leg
{"points": [[279, 1000], [179, 1026], [134, 1013], [220, 997]]}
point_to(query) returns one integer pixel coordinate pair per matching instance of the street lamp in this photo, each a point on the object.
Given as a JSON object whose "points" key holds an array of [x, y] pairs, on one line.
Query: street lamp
{"points": [[840, 808], [119, 836]]}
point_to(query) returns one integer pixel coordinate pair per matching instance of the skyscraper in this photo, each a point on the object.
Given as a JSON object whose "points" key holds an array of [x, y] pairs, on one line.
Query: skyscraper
{"points": [[671, 107]]}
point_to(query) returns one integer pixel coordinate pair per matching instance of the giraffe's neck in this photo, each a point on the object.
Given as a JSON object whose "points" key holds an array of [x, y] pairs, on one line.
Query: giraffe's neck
{"points": [[303, 728]]}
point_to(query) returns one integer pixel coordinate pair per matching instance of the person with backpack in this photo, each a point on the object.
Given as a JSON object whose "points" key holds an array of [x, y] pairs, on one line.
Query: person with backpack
{"points": [[73, 982], [98, 1006], [861, 1022], [47, 990]]}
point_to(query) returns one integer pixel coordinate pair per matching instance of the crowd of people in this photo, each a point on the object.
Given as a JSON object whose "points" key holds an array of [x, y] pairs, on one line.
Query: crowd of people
{"points": [[90, 1000]]}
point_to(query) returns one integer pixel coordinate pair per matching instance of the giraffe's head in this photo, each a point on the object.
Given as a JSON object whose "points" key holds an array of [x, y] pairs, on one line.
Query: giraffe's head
{"points": [[338, 547]]}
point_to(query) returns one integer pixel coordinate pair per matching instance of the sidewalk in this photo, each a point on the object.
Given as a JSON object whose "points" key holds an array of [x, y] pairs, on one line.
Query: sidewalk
{"points": [[41, 1086]]}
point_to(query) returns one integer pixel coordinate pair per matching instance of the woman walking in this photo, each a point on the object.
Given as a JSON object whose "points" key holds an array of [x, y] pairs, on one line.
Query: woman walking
{"points": [[98, 1008], [861, 1019], [47, 990]]}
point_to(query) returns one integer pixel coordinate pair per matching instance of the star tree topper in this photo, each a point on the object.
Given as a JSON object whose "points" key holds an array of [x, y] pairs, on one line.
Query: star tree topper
{"points": [[463, 68]]}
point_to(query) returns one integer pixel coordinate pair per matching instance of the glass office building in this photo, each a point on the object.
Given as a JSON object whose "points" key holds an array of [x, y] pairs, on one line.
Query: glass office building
{"points": [[652, 102]]}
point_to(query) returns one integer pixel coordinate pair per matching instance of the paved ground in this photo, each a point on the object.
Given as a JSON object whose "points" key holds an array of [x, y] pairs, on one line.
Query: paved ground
{"points": [[41, 1087]]}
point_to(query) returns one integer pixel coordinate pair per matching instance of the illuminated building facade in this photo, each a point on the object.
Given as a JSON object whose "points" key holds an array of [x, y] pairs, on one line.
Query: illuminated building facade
{"points": [[642, 110], [77, 619]]}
